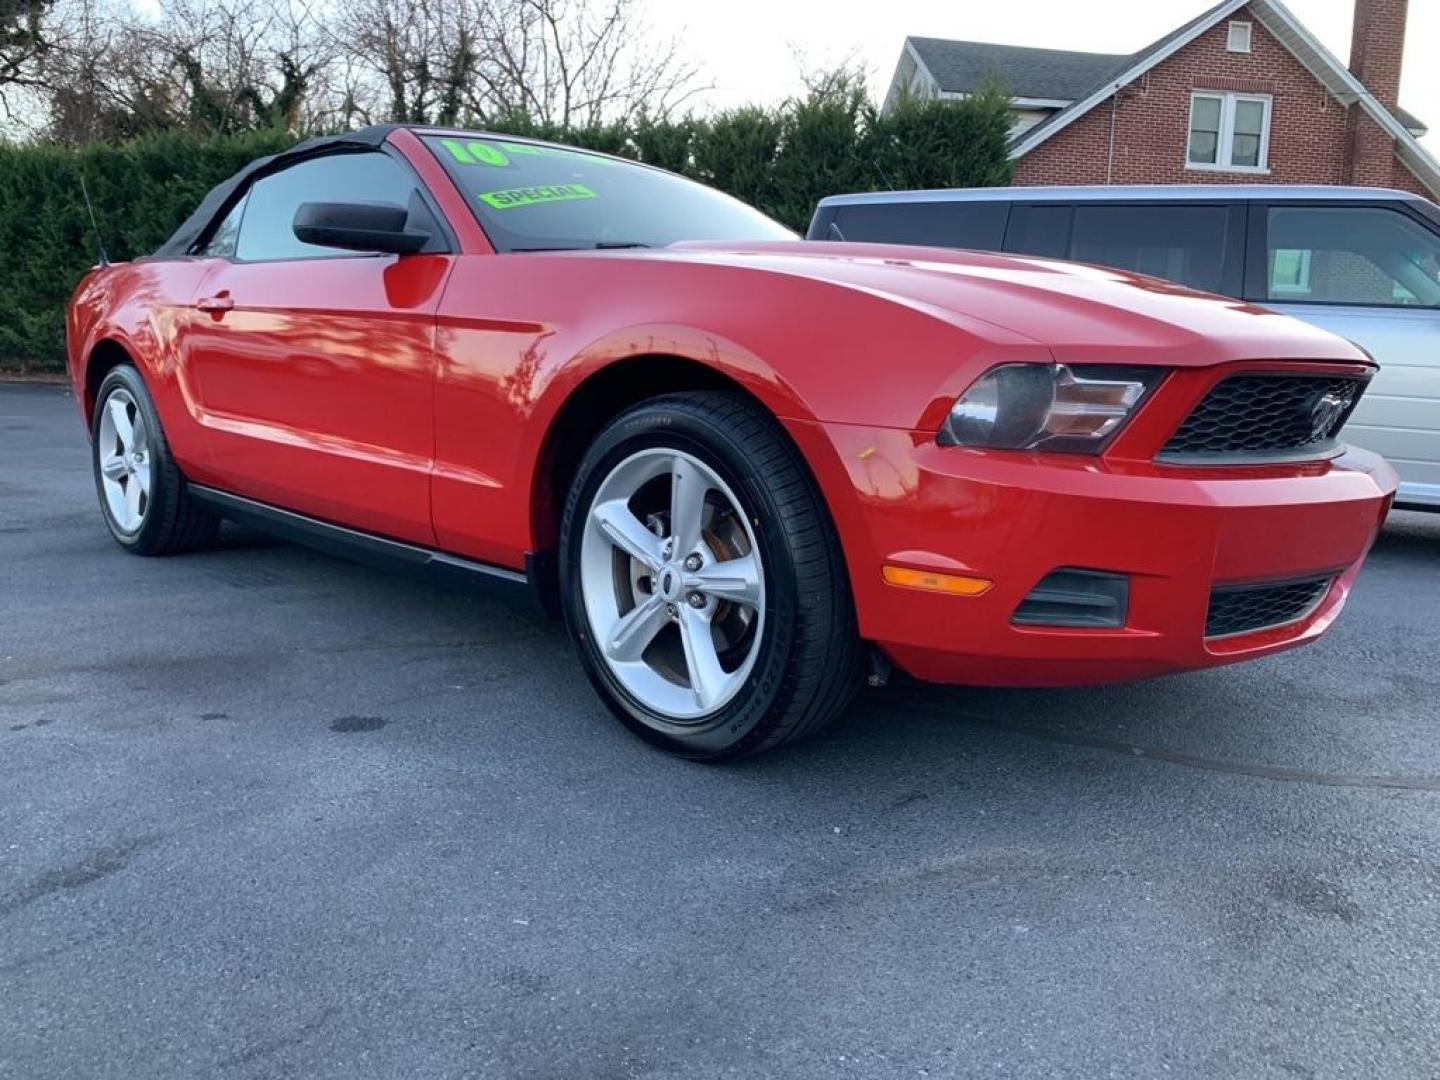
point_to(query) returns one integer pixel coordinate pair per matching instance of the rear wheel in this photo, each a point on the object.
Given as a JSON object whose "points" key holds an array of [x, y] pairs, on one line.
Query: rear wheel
{"points": [[702, 581], [142, 491]]}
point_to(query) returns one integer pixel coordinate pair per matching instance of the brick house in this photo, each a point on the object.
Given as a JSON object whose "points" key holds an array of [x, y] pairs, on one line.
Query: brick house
{"points": [[1242, 93]]}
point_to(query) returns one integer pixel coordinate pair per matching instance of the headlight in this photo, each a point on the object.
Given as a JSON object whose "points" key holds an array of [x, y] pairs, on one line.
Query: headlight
{"points": [[1047, 406]]}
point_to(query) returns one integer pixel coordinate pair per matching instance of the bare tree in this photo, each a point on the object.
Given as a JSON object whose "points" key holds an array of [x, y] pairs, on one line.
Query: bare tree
{"points": [[201, 65], [342, 95], [24, 41], [233, 62], [103, 70], [100, 78], [22, 38], [577, 63], [417, 53], [558, 62]]}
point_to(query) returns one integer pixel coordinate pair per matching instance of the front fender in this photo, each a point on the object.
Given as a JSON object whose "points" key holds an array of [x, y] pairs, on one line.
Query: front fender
{"points": [[705, 347], [519, 336]]}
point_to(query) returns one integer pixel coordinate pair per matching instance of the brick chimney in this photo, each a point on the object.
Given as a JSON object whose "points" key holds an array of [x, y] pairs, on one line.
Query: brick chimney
{"points": [[1377, 44]]}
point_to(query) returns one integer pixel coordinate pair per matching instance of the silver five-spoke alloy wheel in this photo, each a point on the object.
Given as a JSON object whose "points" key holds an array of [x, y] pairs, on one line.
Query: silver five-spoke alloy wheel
{"points": [[124, 458], [673, 585]]}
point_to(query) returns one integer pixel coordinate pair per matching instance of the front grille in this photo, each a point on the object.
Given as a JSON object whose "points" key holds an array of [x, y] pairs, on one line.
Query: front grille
{"points": [[1266, 417], [1240, 609]]}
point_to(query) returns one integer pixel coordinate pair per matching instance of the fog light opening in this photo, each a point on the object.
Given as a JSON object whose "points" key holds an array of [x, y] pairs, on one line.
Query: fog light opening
{"points": [[1075, 597]]}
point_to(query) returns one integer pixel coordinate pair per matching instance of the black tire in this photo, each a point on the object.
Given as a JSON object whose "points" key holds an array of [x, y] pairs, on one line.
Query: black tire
{"points": [[807, 667], [173, 522]]}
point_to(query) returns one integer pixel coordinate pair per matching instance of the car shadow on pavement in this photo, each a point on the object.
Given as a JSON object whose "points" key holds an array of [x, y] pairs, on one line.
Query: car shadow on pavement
{"points": [[235, 537]]}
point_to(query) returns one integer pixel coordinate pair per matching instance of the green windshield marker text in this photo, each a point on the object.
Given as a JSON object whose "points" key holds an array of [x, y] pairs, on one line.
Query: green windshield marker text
{"points": [[529, 196], [457, 151], [529, 150], [484, 152], [474, 153]]}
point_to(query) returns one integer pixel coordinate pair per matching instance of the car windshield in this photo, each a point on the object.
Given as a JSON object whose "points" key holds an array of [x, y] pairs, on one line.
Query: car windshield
{"points": [[529, 197]]}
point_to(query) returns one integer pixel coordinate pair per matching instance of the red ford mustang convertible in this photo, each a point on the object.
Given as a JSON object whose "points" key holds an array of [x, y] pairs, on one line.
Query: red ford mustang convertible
{"points": [[743, 466]]}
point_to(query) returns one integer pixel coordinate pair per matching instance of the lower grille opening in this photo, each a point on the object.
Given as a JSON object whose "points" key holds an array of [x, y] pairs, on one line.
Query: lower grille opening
{"points": [[1074, 597], [1243, 609]]}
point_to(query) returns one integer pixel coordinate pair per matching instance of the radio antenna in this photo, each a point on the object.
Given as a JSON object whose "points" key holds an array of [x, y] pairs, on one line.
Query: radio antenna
{"points": [[95, 225]]}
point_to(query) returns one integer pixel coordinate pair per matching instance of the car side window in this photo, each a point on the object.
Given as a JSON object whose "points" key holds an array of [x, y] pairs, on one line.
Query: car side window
{"points": [[266, 228], [222, 241], [1182, 243], [1364, 255], [978, 225]]}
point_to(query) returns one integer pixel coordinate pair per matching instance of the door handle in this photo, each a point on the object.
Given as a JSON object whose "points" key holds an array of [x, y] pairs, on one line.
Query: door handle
{"points": [[215, 303]]}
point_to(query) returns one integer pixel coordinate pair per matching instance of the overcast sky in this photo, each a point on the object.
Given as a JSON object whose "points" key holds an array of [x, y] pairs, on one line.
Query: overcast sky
{"points": [[752, 50]]}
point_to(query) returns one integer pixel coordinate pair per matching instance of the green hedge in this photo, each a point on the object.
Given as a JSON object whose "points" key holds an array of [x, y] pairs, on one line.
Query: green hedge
{"points": [[141, 191], [781, 160]]}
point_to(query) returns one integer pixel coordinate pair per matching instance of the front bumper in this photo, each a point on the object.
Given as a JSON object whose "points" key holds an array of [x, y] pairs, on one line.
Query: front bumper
{"points": [[1175, 532]]}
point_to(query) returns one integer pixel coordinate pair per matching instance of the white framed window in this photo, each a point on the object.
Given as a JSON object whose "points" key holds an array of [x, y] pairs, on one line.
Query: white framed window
{"points": [[1238, 39], [1229, 132], [1290, 271]]}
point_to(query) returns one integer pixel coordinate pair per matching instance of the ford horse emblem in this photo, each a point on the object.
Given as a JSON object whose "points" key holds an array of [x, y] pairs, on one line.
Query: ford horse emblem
{"points": [[1324, 415]]}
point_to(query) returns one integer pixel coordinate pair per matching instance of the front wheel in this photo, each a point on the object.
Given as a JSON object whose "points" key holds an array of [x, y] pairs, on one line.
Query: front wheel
{"points": [[702, 580]]}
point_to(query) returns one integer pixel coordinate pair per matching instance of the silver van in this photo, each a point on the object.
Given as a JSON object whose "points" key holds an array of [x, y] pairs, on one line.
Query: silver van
{"points": [[1361, 262]]}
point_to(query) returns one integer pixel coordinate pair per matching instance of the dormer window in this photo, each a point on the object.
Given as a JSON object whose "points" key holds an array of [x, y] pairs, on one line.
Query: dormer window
{"points": [[1238, 39]]}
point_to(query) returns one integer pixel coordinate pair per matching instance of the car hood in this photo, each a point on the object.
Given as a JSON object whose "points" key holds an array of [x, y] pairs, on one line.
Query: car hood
{"points": [[1080, 313]]}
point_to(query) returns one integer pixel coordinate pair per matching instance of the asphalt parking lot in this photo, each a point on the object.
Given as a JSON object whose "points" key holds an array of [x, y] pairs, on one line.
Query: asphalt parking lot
{"points": [[269, 814]]}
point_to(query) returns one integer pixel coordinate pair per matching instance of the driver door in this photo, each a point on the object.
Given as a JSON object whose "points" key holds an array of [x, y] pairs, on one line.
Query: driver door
{"points": [[311, 368]]}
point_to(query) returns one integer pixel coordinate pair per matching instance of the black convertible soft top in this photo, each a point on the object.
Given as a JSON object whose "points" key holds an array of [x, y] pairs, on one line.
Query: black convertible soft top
{"points": [[191, 229]]}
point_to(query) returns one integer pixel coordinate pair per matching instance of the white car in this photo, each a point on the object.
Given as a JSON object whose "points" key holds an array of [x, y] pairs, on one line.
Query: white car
{"points": [[1361, 262]]}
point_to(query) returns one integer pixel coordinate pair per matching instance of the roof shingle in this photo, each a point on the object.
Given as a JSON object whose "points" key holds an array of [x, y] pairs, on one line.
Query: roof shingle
{"points": [[1055, 74], [964, 66]]}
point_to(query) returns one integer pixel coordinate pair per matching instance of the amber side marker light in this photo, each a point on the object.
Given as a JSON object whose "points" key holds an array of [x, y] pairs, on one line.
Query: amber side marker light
{"points": [[954, 584]]}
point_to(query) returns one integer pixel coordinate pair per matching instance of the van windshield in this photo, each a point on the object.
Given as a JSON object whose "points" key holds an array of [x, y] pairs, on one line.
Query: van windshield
{"points": [[534, 197]]}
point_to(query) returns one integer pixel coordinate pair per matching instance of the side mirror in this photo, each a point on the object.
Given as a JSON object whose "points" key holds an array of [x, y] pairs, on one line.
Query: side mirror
{"points": [[358, 227]]}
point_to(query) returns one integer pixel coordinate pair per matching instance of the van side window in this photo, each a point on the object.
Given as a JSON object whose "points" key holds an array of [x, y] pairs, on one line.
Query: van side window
{"points": [[979, 225], [1351, 255], [1040, 230], [1182, 243]]}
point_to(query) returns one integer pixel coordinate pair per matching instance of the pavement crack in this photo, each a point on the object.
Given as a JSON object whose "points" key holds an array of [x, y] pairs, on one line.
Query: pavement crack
{"points": [[268, 1047], [98, 864]]}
